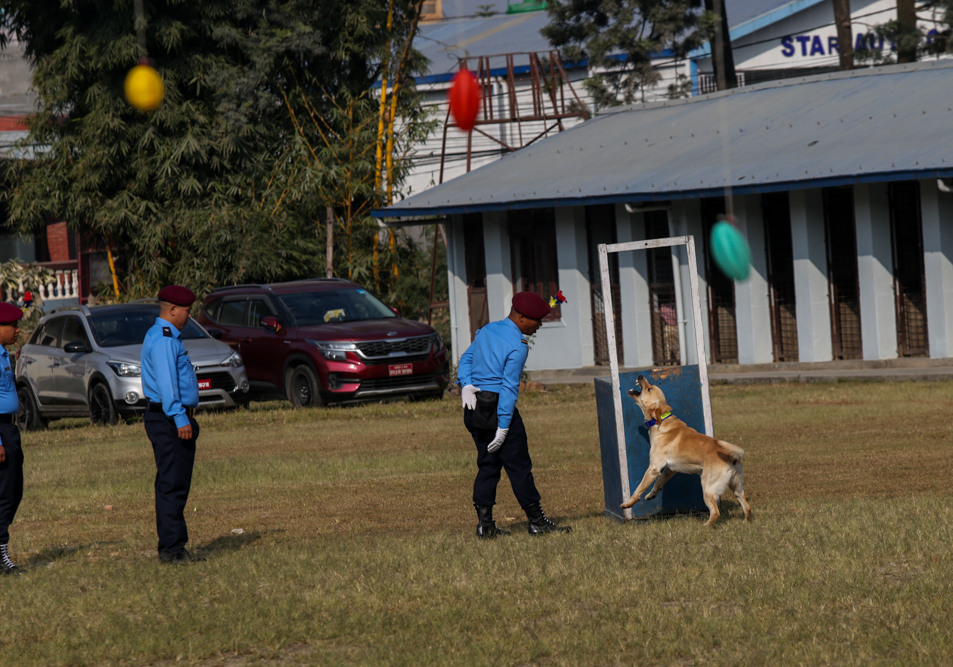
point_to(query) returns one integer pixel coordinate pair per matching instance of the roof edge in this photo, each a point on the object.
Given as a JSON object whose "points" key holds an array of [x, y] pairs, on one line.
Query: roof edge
{"points": [[833, 181]]}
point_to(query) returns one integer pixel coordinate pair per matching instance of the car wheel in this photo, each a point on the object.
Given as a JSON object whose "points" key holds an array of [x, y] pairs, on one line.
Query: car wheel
{"points": [[29, 418], [102, 410], [302, 387]]}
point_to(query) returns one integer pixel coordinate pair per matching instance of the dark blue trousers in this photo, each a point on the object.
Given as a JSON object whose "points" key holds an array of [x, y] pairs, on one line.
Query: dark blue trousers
{"points": [[11, 478], [174, 460], [513, 455]]}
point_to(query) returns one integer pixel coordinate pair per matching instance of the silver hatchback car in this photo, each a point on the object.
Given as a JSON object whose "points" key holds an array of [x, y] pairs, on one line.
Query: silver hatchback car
{"points": [[86, 361]]}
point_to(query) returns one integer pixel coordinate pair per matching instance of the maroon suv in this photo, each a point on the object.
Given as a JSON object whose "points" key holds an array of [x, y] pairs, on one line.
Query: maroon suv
{"points": [[326, 341]]}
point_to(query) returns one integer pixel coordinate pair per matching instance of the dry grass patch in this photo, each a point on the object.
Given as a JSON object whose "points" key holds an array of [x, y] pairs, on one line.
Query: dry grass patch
{"points": [[357, 544]]}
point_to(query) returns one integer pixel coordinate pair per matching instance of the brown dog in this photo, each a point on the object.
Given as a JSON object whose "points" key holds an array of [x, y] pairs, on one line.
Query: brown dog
{"points": [[676, 447]]}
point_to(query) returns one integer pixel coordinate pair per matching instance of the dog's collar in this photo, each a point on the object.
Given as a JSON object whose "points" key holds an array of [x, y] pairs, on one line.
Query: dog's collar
{"points": [[650, 423]]}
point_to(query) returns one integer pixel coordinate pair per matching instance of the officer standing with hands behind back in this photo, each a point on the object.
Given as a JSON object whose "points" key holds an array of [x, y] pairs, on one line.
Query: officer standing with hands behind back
{"points": [[11, 453], [170, 385], [489, 372]]}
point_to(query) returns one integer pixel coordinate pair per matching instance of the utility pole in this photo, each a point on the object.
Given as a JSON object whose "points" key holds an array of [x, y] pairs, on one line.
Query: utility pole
{"points": [[907, 18], [721, 56], [845, 49]]}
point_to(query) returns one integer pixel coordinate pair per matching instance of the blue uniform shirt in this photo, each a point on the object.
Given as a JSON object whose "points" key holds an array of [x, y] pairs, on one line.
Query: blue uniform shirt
{"points": [[167, 373], [494, 362], [9, 403]]}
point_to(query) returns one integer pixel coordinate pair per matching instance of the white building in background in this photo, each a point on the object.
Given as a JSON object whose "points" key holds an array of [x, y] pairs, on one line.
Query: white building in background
{"points": [[771, 39], [846, 202], [844, 269]]}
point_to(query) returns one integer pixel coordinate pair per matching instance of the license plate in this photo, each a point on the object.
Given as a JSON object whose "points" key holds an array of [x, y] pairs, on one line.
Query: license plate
{"points": [[205, 384], [400, 369]]}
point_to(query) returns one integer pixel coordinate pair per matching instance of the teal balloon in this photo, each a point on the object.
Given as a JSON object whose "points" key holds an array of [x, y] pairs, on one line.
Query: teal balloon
{"points": [[730, 251]]}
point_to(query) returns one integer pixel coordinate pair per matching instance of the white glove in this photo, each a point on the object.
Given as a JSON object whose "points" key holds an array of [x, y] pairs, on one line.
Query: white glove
{"points": [[469, 396], [497, 442]]}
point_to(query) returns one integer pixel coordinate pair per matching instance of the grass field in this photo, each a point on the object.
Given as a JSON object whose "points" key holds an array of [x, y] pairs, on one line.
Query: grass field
{"points": [[345, 536]]}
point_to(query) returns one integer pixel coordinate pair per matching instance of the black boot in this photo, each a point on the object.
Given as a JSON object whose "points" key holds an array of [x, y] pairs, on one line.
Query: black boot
{"points": [[7, 566], [487, 526], [538, 523]]}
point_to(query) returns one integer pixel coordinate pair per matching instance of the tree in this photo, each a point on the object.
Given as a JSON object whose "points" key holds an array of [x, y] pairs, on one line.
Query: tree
{"points": [[214, 187], [910, 41], [722, 58], [845, 49], [620, 38]]}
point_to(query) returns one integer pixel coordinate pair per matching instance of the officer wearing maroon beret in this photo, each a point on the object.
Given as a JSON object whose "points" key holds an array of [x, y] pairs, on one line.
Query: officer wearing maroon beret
{"points": [[489, 372], [170, 385], [11, 453]]}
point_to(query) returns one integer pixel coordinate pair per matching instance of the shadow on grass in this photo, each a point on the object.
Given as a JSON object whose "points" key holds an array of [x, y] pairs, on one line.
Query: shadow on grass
{"points": [[53, 554], [227, 543]]}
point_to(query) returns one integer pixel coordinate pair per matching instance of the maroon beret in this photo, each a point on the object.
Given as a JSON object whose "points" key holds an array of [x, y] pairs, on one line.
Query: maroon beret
{"points": [[10, 313], [177, 295], [531, 304]]}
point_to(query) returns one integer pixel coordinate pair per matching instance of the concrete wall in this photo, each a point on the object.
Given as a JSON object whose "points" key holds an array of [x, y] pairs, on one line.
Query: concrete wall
{"points": [[752, 309], [810, 276], [565, 343], [634, 290], [686, 220], [456, 279], [878, 310], [568, 343], [937, 214]]}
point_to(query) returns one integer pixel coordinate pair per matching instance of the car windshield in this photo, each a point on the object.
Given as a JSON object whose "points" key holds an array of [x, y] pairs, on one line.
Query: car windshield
{"points": [[128, 326], [334, 306]]}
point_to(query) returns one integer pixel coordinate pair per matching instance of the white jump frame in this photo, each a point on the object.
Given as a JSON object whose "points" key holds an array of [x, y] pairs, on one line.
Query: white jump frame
{"points": [[604, 250]]}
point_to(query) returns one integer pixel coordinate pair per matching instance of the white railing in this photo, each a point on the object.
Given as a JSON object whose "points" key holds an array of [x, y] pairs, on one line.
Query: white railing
{"points": [[65, 285]]}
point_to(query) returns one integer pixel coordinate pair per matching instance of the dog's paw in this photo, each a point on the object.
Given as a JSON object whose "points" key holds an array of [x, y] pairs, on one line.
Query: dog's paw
{"points": [[651, 495]]}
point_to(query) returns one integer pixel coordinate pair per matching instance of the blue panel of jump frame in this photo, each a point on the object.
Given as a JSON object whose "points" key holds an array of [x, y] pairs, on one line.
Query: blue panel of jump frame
{"points": [[683, 493]]}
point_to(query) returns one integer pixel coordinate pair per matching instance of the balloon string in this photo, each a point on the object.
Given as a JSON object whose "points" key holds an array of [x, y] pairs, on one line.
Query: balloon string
{"points": [[140, 22]]}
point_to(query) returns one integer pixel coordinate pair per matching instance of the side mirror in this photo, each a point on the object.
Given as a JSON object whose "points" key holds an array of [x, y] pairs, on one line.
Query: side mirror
{"points": [[76, 346], [396, 312], [215, 333], [271, 323]]}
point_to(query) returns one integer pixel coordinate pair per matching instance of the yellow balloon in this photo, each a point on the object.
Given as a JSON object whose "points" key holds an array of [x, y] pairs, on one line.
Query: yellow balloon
{"points": [[144, 88]]}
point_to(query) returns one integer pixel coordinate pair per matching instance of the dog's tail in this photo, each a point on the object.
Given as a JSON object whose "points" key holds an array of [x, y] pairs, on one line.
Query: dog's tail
{"points": [[734, 451]]}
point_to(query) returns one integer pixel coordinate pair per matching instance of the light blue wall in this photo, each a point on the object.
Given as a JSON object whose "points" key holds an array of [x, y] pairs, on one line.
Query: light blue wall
{"points": [[937, 210], [878, 310], [810, 276]]}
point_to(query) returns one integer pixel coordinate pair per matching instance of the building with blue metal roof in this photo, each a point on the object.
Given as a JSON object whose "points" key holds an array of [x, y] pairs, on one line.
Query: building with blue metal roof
{"points": [[839, 181], [771, 39]]}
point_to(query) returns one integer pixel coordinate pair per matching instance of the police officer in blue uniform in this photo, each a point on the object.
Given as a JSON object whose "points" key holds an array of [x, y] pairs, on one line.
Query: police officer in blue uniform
{"points": [[11, 453], [489, 372], [170, 385]]}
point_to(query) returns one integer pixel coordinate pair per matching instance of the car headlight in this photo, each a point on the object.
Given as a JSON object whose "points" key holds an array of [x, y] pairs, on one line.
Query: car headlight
{"points": [[333, 351], [125, 370], [234, 360], [437, 342]]}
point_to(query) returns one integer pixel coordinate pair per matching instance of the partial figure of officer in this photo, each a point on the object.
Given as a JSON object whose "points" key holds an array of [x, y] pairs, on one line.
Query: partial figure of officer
{"points": [[11, 453], [489, 372], [170, 385]]}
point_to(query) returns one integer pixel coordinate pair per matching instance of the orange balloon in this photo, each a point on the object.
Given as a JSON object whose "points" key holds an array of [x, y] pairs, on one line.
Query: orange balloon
{"points": [[465, 97]]}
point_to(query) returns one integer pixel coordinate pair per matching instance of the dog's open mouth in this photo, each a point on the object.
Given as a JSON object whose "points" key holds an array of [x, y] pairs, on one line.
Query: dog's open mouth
{"points": [[635, 391]]}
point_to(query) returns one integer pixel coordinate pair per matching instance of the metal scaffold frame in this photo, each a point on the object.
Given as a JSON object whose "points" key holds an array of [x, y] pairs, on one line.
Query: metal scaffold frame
{"points": [[604, 250]]}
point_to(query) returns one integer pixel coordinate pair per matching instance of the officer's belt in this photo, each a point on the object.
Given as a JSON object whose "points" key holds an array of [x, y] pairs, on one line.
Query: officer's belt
{"points": [[8, 419], [157, 407]]}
